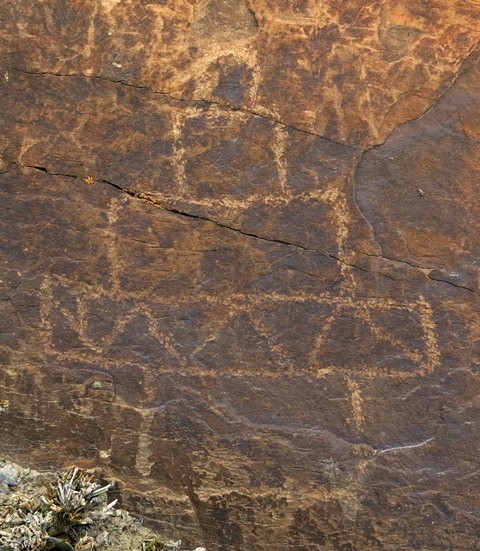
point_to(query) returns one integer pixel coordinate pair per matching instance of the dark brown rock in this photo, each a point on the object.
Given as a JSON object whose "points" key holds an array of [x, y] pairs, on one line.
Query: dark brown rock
{"points": [[239, 264]]}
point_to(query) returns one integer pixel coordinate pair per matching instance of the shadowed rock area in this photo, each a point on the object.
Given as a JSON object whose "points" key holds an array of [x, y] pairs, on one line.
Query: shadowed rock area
{"points": [[239, 265]]}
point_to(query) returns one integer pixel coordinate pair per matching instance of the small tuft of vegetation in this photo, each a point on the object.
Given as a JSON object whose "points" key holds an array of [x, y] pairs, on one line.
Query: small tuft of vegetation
{"points": [[159, 544], [70, 513], [55, 520]]}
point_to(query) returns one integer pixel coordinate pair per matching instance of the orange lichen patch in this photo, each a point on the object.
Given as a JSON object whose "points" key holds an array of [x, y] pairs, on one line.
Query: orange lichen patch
{"points": [[89, 180]]}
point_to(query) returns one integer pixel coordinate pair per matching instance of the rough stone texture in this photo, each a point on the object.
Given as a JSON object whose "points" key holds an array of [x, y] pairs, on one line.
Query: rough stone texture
{"points": [[262, 315]]}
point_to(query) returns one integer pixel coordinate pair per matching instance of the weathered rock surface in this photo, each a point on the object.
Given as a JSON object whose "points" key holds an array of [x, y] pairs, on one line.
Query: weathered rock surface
{"points": [[262, 315]]}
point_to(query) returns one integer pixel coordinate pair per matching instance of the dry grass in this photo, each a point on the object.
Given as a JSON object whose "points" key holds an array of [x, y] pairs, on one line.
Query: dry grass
{"points": [[70, 513]]}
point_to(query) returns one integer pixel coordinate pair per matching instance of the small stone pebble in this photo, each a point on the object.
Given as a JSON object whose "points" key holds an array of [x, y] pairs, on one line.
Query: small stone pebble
{"points": [[9, 475]]}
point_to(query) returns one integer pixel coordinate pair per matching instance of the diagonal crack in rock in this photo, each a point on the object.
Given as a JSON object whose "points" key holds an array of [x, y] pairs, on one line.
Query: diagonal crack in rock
{"points": [[201, 101], [158, 204]]}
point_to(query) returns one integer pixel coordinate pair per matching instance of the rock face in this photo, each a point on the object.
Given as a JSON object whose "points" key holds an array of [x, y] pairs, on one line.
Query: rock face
{"points": [[240, 263]]}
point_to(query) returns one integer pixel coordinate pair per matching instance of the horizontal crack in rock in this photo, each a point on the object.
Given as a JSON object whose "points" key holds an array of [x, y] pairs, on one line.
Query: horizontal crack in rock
{"points": [[147, 198], [424, 269], [158, 204], [46, 171], [453, 284], [390, 259], [150, 199], [226, 107]]}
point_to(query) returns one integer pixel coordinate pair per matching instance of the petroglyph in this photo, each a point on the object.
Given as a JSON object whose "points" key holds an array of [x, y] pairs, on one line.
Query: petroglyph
{"points": [[278, 147], [357, 408], [220, 327], [143, 459], [78, 311], [179, 154]]}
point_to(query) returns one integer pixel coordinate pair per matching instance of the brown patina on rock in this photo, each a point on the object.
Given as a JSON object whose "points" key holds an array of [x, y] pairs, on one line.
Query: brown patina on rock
{"points": [[262, 315]]}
